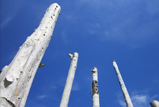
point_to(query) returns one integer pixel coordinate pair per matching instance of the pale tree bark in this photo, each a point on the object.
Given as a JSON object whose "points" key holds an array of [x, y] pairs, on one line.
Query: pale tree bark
{"points": [[154, 103], [123, 87], [69, 81], [95, 92], [16, 78]]}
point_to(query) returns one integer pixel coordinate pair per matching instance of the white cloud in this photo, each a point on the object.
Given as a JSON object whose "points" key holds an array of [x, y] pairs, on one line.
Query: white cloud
{"points": [[140, 100], [107, 3], [6, 21], [154, 97], [137, 100], [53, 87], [122, 103], [41, 97], [120, 21], [71, 17], [75, 86]]}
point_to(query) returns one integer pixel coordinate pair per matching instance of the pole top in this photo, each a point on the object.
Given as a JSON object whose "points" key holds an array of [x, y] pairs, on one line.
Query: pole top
{"points": [[154, 103], [114, 64], [94, 69], [54, 4], [74, 55]]}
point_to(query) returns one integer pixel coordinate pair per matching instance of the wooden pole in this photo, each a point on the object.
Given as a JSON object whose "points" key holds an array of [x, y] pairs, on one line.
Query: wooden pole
{"points": [[95, 92], [154, 103], [16, 78], [69, 81], [123, 87]]}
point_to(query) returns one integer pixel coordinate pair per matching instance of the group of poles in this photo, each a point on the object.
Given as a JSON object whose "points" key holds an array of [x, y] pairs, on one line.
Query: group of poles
{"points": [[95, 92], [16, 78]]}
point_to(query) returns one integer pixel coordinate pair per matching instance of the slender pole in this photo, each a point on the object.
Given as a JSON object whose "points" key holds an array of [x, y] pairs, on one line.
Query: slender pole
{"points": [[95, 92], [122, 85], [16, 78], [69, 81], [154, 103]]}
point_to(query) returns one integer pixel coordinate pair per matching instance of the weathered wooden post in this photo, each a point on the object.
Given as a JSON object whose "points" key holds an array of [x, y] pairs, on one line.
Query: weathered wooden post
{"points": [[154, 103], [122, 85], [69, 81], [17, 77], [95, 92]]}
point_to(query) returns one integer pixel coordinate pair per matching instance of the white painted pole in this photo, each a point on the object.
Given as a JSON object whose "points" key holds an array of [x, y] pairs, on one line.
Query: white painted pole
{"points": [[16, 79], [122, 85], [69, 81], [154, 103], [95, 92]]}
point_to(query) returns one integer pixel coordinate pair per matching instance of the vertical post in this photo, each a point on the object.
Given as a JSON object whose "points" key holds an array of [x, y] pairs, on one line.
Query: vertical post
{"points": [[16, 79], [95, 92], [69, 81], [122, 85], [154, 103]]}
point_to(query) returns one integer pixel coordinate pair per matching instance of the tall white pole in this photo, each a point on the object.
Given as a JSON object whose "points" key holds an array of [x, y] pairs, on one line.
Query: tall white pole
{"points": [[122, 85], [17, 77], [95, 92], [154, 103], [69, 81]]}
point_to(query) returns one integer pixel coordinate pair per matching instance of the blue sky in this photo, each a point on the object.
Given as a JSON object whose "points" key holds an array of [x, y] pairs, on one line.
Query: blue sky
{"points": [[126, 31]]}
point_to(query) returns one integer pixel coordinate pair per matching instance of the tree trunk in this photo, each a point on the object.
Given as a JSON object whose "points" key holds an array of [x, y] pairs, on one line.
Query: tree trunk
{"points": [[16, 79]]}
